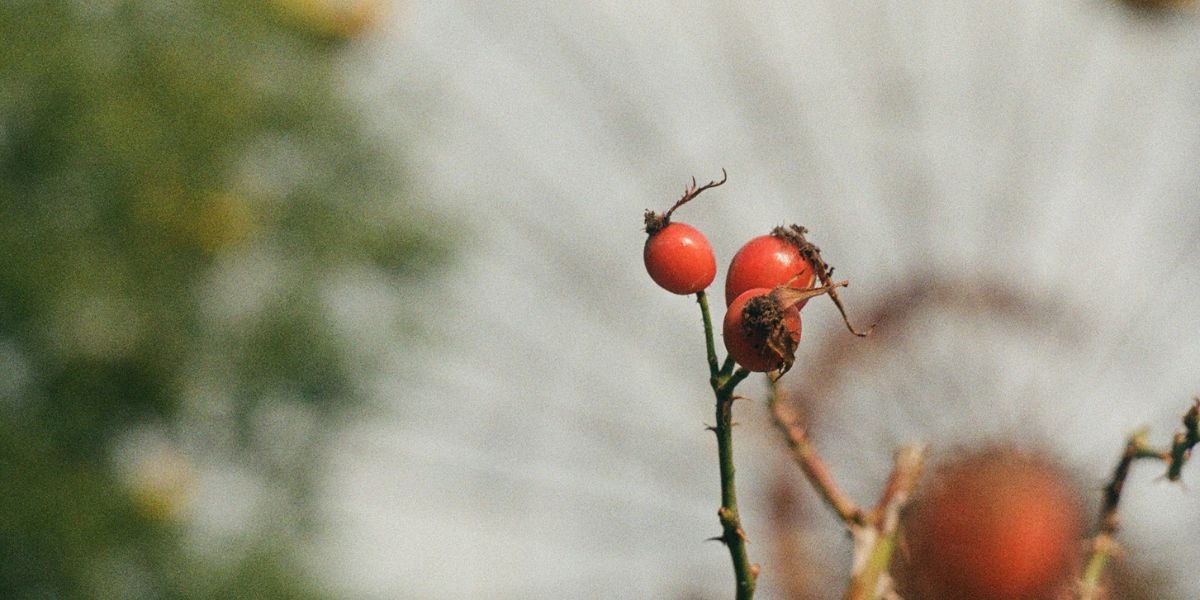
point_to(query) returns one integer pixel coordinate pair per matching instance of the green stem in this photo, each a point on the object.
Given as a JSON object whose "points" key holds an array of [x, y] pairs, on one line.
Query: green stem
{"points": [[732, 533], [724, 380], [713, 369]]}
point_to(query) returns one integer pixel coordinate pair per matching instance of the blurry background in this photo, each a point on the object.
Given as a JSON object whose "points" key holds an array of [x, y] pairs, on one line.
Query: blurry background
{"points": [[189, 207], [309, 298]]}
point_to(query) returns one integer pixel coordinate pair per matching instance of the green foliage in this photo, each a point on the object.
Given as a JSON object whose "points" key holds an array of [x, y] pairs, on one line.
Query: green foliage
{"points": [[148, 152]]}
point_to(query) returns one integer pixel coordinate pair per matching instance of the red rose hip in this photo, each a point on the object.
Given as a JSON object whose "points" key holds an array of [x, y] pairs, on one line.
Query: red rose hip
{"points": [[679, 259], [768, 261], [760, 332]]}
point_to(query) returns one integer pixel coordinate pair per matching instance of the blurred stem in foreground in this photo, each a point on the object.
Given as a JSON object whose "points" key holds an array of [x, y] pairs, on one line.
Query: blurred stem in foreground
{"points": [[874, 532]]}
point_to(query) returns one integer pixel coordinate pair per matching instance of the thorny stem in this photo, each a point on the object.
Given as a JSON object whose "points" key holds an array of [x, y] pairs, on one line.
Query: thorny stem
{"points": [[732, 533], [724, 381], [1104, 544]]}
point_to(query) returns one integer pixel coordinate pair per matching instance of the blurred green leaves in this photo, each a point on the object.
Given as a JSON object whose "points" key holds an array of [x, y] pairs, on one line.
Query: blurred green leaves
{"points": [[179, 184]]}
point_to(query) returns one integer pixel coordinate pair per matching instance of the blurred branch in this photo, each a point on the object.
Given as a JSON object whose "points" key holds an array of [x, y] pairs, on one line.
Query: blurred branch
{"points": [[874, 532], [870, 578], [805, 454], [1104, 545]]}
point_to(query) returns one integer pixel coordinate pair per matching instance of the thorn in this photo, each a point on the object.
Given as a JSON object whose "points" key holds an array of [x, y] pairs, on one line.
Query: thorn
{"points": [[716, 538]]}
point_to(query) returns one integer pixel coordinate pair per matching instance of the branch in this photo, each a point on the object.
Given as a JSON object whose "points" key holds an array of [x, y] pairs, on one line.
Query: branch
{"points": [[874, 545], [1104, 544], [732, 533], [874, 533], [724, 381], [805, 455]]}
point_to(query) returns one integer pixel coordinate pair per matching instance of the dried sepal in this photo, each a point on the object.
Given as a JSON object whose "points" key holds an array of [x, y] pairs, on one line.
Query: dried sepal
{"points": [[655, 222], [795, 235]]}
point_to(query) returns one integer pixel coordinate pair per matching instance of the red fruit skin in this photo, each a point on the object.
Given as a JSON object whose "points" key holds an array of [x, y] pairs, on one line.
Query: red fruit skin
{"points": [[679, 259], [996, 526], [766, 262], [752, 352]]}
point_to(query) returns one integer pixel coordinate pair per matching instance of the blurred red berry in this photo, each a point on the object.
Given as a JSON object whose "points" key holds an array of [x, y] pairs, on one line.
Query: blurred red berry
{"points": [[997, 525]]}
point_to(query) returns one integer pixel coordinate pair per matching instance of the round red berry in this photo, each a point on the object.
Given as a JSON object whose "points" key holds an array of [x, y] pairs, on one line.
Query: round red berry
{"points": [[996, 525], [760, 332], [766, 262], [679, 258]]}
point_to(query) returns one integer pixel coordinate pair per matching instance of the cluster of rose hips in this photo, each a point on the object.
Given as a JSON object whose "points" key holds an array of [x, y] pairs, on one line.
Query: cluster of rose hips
{"points": [[769, 280], [994, 525]]}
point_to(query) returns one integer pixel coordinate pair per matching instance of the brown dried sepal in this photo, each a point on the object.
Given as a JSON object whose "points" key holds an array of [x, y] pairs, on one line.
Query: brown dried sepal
{"points": [[763, 317], [794, 235], [656, 222], [782, 343]]}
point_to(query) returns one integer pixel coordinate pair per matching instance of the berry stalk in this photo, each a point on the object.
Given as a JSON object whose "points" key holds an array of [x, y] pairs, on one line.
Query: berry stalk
{"points": [[710, 346]]}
